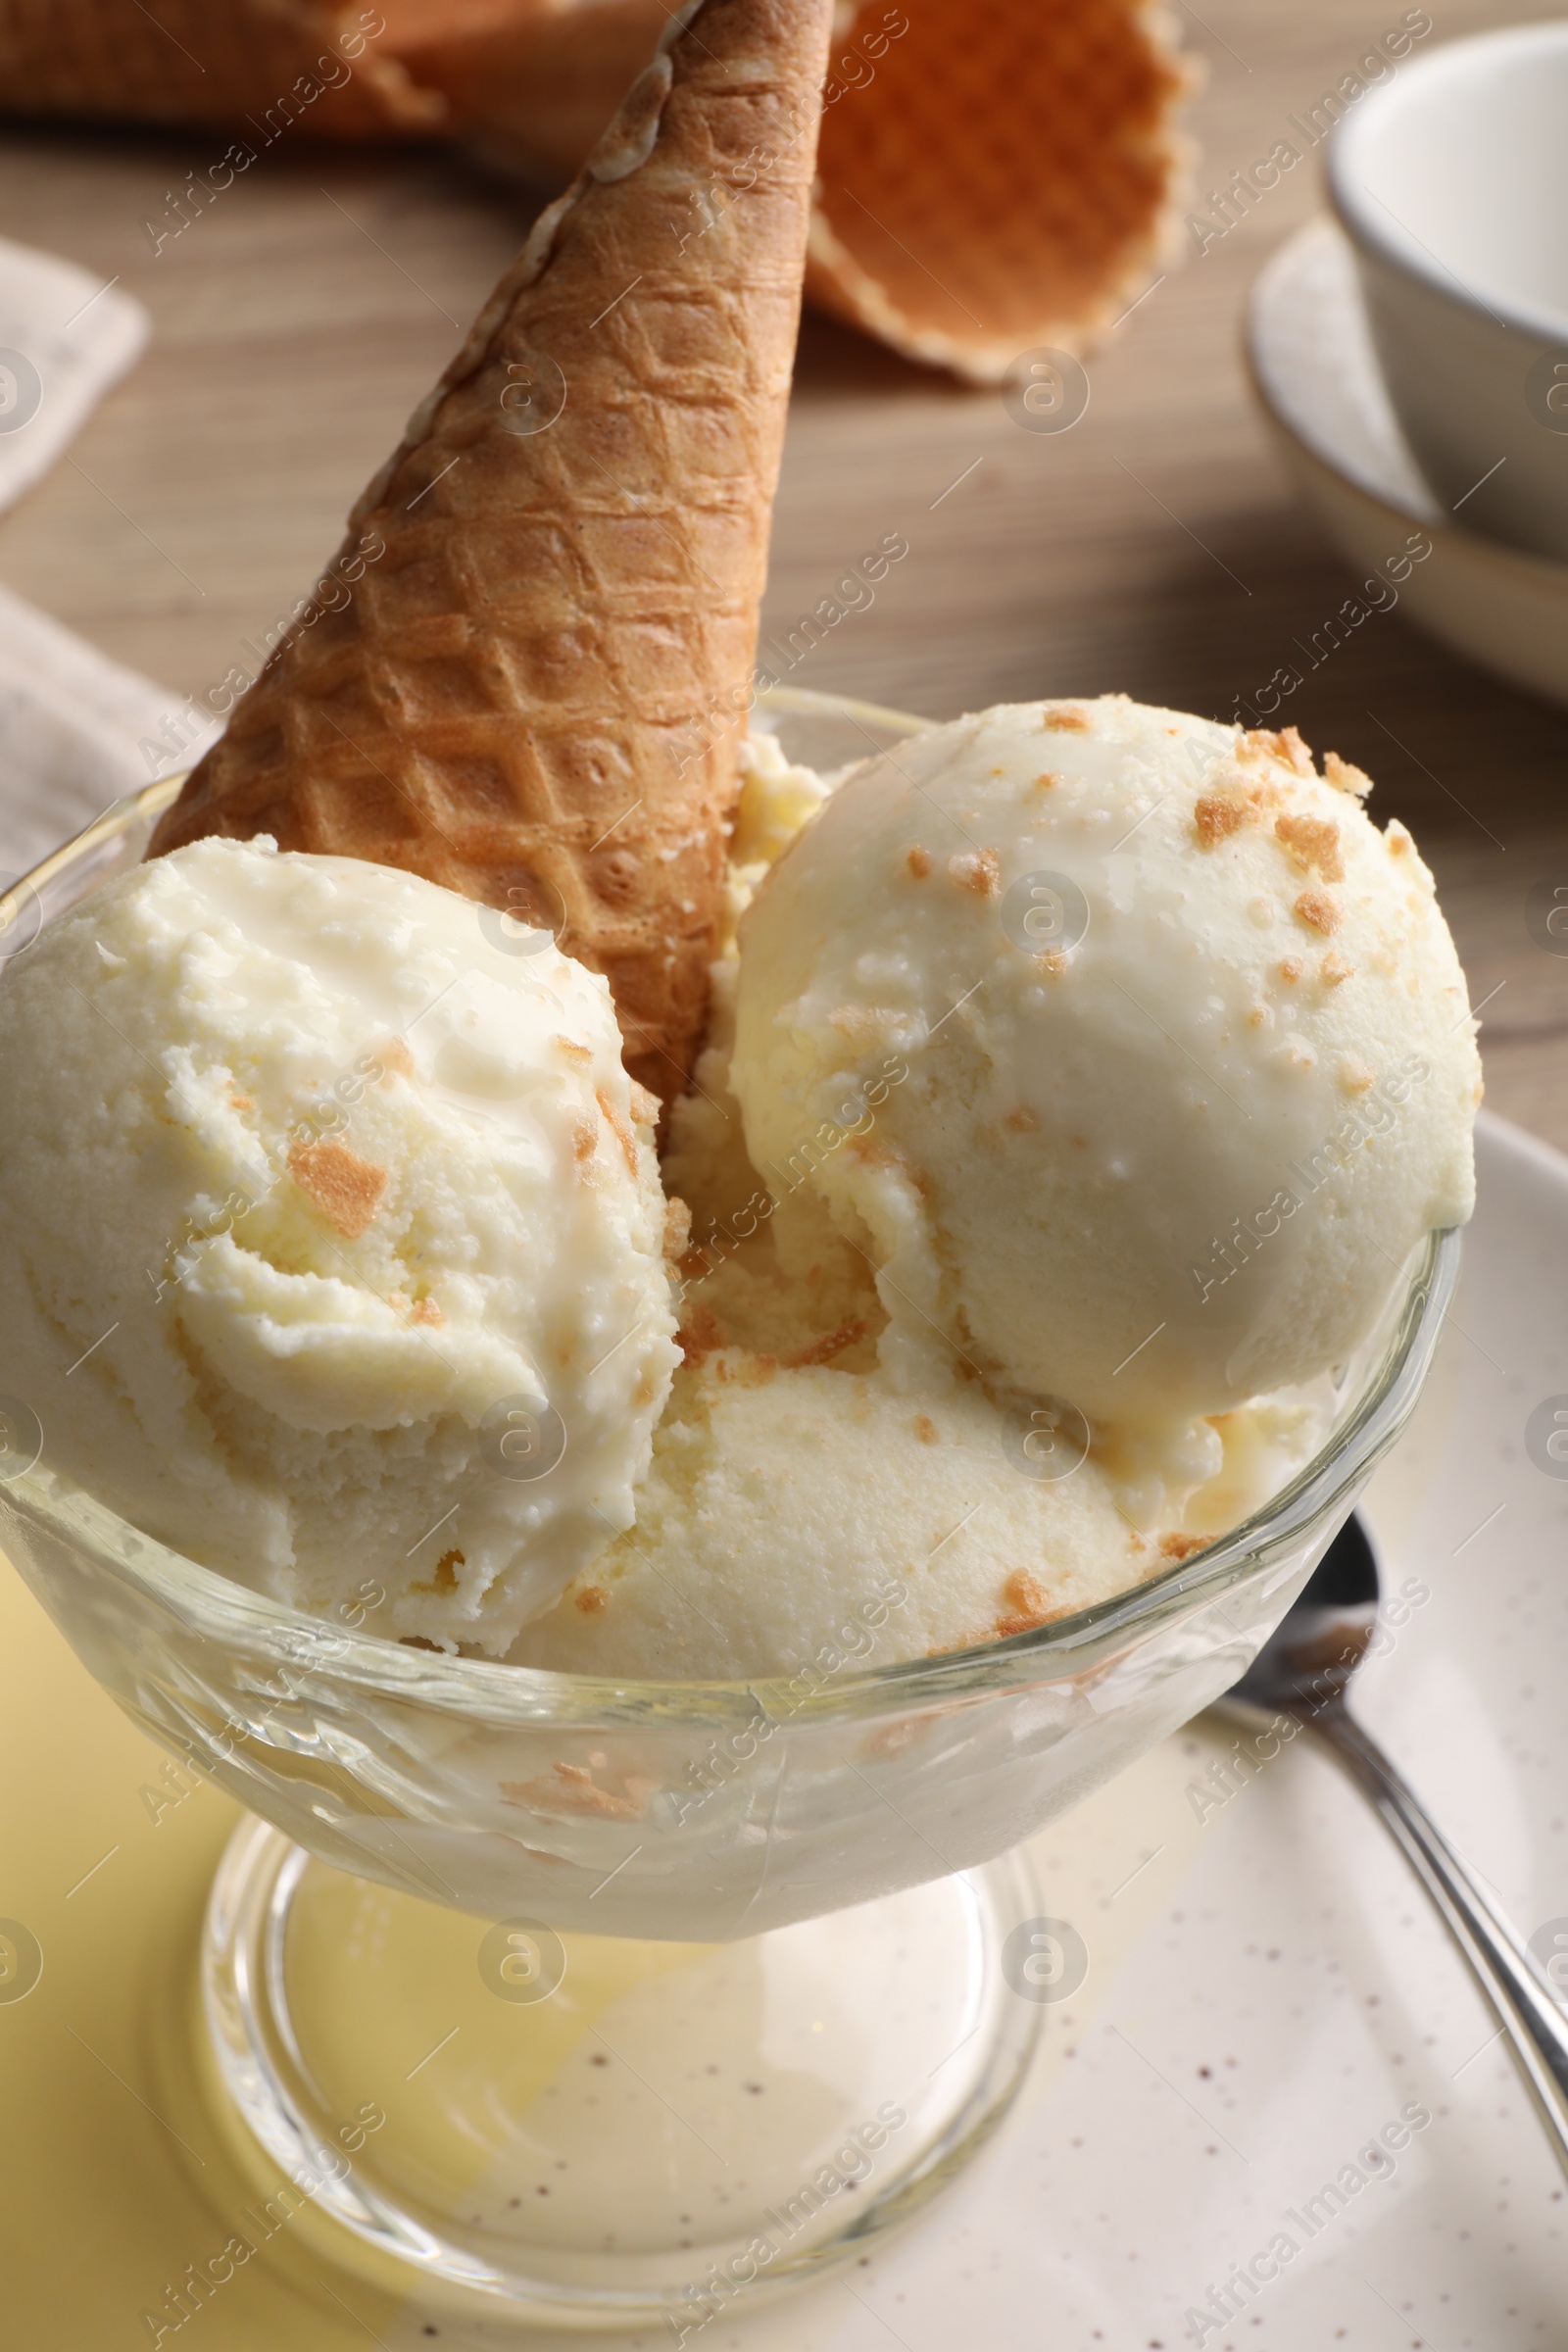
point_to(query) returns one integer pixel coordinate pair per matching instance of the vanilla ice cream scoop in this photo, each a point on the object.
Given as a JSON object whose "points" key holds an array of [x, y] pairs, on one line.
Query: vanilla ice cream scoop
{"points": [[334, 1236], [802, 1520], [1191, 1068]]}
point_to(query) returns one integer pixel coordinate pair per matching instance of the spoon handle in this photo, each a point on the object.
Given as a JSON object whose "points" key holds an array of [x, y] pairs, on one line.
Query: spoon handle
{"points": [[1536, 2028]]}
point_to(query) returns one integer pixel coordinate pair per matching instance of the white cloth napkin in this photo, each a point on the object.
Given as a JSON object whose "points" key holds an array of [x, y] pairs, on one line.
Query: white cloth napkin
{"points": [[74, 727], [65, 337]]}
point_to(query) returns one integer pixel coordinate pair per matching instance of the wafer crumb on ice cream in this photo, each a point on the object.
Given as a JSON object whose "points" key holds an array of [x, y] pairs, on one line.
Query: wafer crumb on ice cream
{"points": [[1070, 1086]]}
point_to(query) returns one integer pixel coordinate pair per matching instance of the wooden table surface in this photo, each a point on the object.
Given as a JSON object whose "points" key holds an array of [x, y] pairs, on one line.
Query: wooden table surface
{"points": [[1157, 548]]}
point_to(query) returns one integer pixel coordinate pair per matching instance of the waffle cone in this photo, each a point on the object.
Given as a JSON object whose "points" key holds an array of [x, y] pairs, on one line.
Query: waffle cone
{"points": [[996, 179], [533, 685], [532, 86], [256, 67]]}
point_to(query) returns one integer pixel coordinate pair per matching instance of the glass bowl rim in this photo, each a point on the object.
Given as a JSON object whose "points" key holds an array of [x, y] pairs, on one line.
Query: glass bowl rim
{"points": [[219, 1609]]}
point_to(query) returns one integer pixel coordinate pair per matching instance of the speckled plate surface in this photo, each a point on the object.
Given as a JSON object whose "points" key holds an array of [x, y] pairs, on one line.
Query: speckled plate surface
{"points": [[1265, 1990]]}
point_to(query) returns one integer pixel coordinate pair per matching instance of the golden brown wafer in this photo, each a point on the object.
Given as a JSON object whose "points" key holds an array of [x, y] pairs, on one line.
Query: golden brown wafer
{"points": [[534, 694]]}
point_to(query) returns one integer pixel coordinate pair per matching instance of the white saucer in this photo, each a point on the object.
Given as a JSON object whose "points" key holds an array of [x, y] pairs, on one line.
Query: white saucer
{"points": [[1314, 371]]}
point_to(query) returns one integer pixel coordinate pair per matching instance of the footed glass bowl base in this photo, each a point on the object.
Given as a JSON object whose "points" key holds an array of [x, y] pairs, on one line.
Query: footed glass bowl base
{"points": [[594, 2132]]}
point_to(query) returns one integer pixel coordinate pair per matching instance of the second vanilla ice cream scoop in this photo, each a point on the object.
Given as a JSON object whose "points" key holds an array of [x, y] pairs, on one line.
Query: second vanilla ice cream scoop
{"points": [[1191, 1064]]}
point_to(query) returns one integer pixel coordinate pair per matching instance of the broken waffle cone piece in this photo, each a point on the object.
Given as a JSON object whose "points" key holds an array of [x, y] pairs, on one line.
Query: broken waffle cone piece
{"points": [[533, 690]]}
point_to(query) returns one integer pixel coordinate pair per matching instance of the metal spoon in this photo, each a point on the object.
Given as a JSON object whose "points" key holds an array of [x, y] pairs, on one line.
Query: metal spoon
{"points": [[1305, 1669]]}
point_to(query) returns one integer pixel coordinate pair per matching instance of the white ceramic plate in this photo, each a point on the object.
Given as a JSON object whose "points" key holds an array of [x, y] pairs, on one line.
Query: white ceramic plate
{"points": [[1313, 370], [1294, 1993]]}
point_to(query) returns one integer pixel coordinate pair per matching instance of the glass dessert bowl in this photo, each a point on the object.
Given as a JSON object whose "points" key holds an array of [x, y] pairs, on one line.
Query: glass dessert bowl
{"points": [[592, 2003]]}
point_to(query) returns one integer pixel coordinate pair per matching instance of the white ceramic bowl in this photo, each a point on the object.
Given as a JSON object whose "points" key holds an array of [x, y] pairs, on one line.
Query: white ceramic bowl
{"points": [[1452, 185]]}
